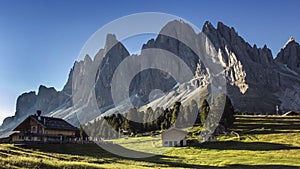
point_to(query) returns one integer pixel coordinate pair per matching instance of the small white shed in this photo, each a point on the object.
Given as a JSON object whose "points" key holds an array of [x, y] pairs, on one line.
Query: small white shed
{"points": [[174, 137]]}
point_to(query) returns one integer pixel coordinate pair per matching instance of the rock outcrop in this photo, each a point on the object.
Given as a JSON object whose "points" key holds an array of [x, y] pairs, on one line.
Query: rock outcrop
{"points": [[254, 71]]}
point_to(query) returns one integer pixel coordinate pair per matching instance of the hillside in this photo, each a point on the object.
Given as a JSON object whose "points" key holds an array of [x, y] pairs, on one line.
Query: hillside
{"points": [[271, 142]]}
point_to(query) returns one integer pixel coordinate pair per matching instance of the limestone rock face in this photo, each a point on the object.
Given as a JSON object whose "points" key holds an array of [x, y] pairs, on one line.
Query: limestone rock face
{"points": [[252, 73], [24, 103], [47, 100], [114, 53], [170, 41], [151, 79]]}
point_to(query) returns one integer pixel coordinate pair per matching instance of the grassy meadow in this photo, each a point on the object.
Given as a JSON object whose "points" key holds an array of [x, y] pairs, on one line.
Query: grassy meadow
{"points": [[265, 142]]}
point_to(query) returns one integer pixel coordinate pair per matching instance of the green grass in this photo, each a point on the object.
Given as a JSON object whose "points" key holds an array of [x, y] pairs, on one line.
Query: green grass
{"points": [[265, 142]]}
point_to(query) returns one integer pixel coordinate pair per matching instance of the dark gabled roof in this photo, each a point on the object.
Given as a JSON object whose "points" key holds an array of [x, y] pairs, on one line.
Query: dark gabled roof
{"points": [[175, 129], [165, 133], [54, 123], [8, 134]]}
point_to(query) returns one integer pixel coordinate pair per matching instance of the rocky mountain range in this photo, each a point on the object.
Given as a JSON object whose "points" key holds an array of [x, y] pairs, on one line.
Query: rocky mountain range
{"points": [[255, 81]]}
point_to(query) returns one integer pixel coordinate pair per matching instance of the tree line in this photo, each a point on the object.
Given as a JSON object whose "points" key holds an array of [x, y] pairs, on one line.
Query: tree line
{"points": [[140, 122]]}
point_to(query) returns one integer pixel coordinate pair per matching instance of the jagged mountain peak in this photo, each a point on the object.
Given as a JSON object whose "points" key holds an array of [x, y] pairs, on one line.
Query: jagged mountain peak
{"points": [[111, 40], [207, 26], [175, 23], [114, 48], [175, 30], [291, 39], [43, 89], [290, 42], [227, 38], [177, 27], [87, 58], [290, 54], [221, 26], [222, 33]]}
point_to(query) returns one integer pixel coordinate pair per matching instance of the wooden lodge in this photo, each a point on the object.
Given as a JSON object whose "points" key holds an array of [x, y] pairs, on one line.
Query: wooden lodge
{"points": [[37, 128]]}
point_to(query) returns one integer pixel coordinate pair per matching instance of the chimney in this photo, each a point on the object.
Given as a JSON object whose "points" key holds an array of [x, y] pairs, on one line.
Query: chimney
{"points": [[38, 113]]}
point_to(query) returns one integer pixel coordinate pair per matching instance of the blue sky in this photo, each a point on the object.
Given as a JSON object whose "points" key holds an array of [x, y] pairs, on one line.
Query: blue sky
{"points": [[40, 40]]}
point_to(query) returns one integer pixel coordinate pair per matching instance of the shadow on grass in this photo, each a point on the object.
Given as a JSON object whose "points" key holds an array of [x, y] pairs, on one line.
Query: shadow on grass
{"points": [[266, 125], [267, 131], [260, 167], [94, 151], [273, 128], [237, 145]]}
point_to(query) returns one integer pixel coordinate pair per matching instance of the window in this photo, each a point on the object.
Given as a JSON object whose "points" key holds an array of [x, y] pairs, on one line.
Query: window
{"points": [[40, 129], [33, 129]]}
